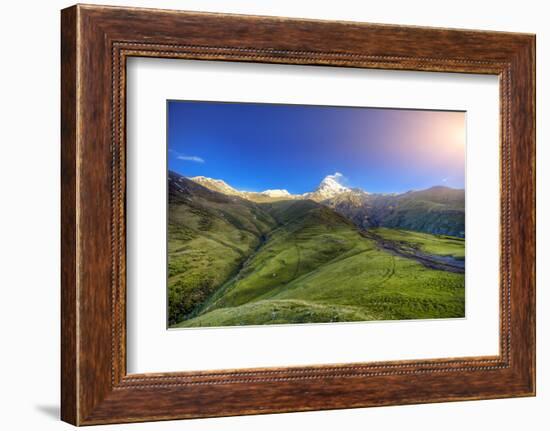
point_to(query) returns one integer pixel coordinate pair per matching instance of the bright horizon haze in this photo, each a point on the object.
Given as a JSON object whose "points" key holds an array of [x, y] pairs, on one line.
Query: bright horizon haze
{"points": [[256, 146]]}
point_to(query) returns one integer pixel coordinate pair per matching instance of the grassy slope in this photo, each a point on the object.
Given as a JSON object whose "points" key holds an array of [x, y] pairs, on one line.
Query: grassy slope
{"points": [[210, 236], [317, 268], [440, 245]]}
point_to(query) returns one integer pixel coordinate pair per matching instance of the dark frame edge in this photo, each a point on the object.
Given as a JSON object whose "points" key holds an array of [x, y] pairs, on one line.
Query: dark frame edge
{"points": [[529, 62], [69, 330], [523, 217]]}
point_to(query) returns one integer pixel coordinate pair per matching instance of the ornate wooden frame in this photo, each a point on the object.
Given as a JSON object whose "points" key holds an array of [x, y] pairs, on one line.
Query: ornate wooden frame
{"points": [[96, 41]]}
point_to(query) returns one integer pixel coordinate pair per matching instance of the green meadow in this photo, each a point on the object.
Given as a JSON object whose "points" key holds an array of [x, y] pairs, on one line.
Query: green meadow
{"points": [[439, 245]]}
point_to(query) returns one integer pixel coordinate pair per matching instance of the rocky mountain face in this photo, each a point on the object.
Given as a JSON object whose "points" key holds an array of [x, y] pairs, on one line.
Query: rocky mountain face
{"points": [[438, 210]]}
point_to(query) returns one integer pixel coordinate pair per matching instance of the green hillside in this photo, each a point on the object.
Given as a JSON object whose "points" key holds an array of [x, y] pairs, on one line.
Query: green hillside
{"points": [[234, 262], [209, 236], [439, 245]]}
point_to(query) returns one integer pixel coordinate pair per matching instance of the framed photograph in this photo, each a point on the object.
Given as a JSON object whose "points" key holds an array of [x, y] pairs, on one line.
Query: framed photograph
{"points": [[328, 250], [266, 215]]}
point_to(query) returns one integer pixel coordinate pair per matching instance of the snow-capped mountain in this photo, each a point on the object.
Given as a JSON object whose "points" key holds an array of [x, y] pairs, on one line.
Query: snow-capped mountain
{"points": [[221, 186], [330, 187], [276, 193], [217, 185]]}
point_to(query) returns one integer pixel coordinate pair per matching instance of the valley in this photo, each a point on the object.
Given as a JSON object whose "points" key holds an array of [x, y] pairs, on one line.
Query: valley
{"points": [[440, 252], [242, 258]]}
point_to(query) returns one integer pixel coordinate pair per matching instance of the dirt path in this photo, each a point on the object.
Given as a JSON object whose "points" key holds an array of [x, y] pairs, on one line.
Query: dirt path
{"points": [[390, 272], [441, 263]]}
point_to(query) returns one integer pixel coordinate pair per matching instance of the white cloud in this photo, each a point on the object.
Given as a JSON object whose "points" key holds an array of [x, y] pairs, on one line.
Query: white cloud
{"points": [[195, 159], [337, 176]]}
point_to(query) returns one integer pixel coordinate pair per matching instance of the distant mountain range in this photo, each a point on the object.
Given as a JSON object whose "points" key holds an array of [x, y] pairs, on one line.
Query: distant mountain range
{"points": [[329, 187], [437, 210]]}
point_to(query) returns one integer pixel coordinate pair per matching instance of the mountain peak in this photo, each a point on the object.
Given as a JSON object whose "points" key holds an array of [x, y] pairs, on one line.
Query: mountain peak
{"points": [[330, 187], [216, 185]]}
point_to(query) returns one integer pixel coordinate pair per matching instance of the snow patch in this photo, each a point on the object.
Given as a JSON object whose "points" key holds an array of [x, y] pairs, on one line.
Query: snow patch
{"points": [[216, 185], [276, 193]]}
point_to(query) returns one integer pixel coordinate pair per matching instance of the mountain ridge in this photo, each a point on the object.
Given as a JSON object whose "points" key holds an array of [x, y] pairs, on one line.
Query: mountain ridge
{"points": [[436, 210], [328, 188]]}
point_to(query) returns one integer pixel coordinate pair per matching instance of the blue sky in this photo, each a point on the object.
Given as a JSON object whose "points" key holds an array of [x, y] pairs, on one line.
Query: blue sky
{"points": [[255, 147]]}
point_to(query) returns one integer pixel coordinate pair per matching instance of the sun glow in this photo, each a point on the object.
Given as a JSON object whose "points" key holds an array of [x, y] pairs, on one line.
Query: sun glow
{"points": [[457, 133]]}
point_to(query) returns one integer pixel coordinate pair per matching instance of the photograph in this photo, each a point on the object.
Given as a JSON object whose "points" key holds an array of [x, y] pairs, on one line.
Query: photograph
{"points": [[302, 214]]}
